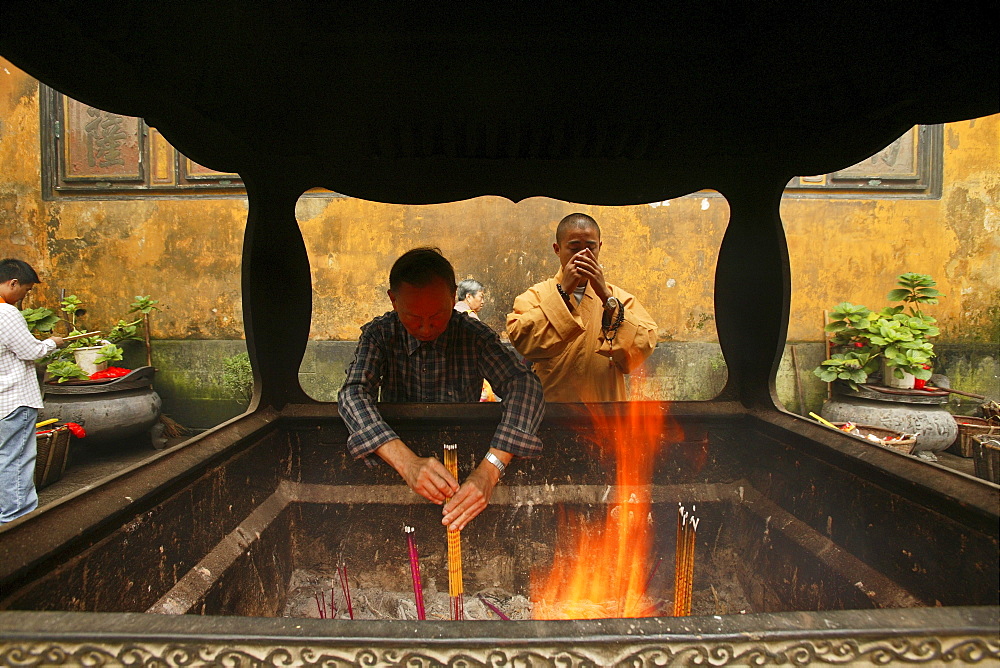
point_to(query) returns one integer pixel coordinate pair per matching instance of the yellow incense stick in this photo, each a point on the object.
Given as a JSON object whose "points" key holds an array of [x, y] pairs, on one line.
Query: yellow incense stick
{"points": [[679, 560], [689, 570], [822, 421], [455, 588]]}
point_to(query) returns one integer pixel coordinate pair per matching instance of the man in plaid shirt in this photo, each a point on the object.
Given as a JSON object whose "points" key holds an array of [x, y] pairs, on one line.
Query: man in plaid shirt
{"points": [[425, 351], [20, 397]]}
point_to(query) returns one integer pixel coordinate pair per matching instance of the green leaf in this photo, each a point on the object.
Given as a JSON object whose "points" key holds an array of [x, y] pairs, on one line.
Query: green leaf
{"points": [[913, 279], [71, 304], [109, 353], [40, 319], [143, 305], [65, 370], [124, 331]]}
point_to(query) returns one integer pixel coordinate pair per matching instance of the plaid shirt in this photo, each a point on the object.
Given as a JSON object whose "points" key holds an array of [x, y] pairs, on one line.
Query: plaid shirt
{"points": [[18, 350], [449, 369]]}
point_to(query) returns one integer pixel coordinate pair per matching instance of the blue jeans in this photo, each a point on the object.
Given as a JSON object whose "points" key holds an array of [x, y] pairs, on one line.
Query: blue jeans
{"points": [[18, 449]]}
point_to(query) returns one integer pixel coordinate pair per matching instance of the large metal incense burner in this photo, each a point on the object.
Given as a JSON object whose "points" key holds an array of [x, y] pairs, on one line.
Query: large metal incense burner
{"points": [[812, 547]]}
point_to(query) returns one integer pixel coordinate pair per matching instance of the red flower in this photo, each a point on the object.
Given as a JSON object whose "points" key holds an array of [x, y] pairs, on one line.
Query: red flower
{"points": [[75, 429], [858, 344]]}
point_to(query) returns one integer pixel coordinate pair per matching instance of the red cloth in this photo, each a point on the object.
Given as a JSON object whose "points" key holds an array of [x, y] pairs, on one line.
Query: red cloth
{"points": [[110, 372], [75, 429]]}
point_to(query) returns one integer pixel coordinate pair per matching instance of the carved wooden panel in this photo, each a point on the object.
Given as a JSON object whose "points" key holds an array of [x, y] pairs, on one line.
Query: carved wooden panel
{"points": [[98, 145], [91, 153]]}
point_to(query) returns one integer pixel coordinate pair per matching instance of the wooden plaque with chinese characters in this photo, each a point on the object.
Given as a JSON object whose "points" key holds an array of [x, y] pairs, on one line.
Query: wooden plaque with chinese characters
{"points": [[99, 145]]}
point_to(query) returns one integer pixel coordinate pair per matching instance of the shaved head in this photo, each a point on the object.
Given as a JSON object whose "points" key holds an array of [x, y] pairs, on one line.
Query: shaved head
{"points": [[575, 221]]}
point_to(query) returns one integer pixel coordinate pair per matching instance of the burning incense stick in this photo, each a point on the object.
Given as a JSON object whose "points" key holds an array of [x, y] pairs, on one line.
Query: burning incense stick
{"points": [[494, 609], [689, 573], [679, 560], [687, 530], [346, 588], [418, 591], [455, 588]]}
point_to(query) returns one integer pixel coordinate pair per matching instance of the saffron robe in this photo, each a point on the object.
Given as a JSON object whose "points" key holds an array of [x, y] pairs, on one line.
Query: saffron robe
{"points": [[567, 345]]}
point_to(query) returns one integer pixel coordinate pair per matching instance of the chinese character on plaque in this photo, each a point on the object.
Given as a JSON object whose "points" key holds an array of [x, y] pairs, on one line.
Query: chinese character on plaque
{"points": [[100, 145]]}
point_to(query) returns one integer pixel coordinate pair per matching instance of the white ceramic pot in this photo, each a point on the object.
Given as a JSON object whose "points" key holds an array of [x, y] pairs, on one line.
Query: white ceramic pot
{"points": [[889, 378], [85, 359]]}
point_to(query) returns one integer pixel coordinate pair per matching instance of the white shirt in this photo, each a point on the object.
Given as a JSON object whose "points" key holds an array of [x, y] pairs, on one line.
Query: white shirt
{"points": [[18, 351]]}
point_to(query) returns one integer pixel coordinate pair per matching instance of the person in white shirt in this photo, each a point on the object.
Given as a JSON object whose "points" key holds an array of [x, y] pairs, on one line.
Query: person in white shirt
{"points": [[20, 396]]}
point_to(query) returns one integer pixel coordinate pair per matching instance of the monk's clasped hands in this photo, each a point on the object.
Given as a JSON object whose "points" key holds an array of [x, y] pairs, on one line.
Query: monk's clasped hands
{"points": [[582, 268]]}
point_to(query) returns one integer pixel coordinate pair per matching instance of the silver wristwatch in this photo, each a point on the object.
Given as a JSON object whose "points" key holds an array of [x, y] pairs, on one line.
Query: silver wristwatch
{"points": [[611, 304], [493, 459]]}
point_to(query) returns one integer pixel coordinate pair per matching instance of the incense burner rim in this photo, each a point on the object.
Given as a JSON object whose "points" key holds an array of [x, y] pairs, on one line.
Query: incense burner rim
{"points": [[941, 622]]}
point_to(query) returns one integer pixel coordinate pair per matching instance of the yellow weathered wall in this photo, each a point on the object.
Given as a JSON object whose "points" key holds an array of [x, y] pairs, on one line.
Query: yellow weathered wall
{"points": [[186, 252], [852, 250], [665, 254]]}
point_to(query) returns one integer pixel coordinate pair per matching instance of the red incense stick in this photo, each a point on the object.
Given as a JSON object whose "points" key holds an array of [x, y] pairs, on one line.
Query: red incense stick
{"points": [[645, 588], [319, 608], [418, 591], [346, 587], [494, 609], [652, 573]]}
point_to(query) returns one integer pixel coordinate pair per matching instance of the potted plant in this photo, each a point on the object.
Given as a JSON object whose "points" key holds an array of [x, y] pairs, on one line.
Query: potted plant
{"points": [[87, 355], [895, 339]]}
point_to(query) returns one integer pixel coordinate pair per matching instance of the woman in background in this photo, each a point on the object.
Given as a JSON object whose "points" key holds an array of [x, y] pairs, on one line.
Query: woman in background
{"points": [[471, 297]]}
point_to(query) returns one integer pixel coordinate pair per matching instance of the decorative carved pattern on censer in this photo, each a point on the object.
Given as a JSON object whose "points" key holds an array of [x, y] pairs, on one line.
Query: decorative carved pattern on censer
{"points": [[916, 649]]}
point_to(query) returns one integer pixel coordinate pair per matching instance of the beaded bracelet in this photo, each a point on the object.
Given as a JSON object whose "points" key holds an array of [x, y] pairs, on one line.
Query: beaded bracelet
{"points": [[612, 332]]}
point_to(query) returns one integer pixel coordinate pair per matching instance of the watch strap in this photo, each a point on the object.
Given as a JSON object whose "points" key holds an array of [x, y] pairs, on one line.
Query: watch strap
{"points": [[493, 459]]}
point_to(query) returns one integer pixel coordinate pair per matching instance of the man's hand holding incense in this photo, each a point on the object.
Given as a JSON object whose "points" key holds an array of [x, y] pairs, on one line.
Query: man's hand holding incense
{"points": [[474, 494], [424, 475], [470, 500]]}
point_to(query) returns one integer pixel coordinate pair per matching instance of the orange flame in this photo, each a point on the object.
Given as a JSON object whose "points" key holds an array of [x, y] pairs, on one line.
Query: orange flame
{"points": [[601, 567]]}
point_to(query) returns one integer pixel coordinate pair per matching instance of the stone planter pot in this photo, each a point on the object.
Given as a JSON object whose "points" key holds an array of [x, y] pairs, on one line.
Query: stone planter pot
{"points": [[925, 416], [123, 408]]}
